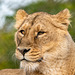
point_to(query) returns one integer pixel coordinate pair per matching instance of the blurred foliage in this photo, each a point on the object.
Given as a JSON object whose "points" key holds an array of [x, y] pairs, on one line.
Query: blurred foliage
{"points": [[7, 45]]}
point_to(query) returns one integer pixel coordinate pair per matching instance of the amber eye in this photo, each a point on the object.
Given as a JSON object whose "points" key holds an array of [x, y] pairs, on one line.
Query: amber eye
{"points": [[40, 32], [22, 32]]}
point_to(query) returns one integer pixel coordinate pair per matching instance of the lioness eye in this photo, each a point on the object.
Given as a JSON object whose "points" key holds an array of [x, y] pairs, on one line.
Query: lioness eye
{"points": [[40, 32], [22, 32]]}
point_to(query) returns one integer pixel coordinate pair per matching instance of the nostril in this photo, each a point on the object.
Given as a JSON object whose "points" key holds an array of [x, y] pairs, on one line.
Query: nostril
{"points": [[25, 51], [29, 49]]}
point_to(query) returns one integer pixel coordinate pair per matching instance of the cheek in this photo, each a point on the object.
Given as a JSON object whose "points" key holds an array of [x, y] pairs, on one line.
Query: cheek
{"points": [[18, 55], [46, 44], [44, 40]]}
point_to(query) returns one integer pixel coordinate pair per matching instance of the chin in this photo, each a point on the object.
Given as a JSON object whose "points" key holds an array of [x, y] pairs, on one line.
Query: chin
{"points": [[29, 66]]}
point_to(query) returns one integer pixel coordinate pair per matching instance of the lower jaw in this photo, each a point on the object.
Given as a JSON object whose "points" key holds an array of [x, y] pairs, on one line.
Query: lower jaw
{"points": [[29, 66]]}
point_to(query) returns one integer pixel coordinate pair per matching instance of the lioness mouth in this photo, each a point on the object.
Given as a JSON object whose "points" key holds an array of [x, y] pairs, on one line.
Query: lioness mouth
{"points": [[39, 60]]}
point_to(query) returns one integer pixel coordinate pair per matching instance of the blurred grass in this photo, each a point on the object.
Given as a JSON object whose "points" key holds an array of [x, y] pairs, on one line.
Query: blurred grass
{"points": [[7, 44], [7, 47]]}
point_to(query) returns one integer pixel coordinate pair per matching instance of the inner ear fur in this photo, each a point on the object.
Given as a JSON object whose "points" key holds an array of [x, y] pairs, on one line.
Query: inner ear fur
{"points": [[20, 17], [63, 17]]}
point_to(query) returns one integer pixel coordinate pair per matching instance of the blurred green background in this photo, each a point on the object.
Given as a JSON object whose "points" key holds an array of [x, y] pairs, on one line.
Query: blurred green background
{"points": [[7, 44]]}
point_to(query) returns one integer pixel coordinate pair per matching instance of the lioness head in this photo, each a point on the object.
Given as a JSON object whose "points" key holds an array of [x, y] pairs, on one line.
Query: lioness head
{"points": [[38, 35]]}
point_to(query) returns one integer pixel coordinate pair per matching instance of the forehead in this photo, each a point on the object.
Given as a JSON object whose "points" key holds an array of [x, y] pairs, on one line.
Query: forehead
{"points": [[36, 19]]}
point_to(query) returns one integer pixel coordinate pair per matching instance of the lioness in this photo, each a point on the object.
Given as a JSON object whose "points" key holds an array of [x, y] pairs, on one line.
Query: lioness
{"points": [[43, 44]]}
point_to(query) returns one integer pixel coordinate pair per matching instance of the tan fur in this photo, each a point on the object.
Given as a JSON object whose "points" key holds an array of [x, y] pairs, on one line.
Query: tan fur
{"points": [[12, 72], [55, 45]]}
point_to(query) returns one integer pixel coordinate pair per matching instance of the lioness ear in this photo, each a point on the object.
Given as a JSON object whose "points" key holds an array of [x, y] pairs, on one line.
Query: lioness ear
{"points": [[63, 17], [20, 17]]}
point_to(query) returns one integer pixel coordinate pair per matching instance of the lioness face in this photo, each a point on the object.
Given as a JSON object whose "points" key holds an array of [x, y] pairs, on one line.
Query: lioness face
{"points": [[37, 34], [33, 37]]}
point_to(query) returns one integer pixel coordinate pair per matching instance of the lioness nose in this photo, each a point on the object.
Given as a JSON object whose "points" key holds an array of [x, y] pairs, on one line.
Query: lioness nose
{"points": [[23, 51]]}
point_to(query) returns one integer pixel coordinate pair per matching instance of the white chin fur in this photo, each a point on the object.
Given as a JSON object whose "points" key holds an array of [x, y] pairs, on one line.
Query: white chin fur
{"points": [[29, 66]]}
